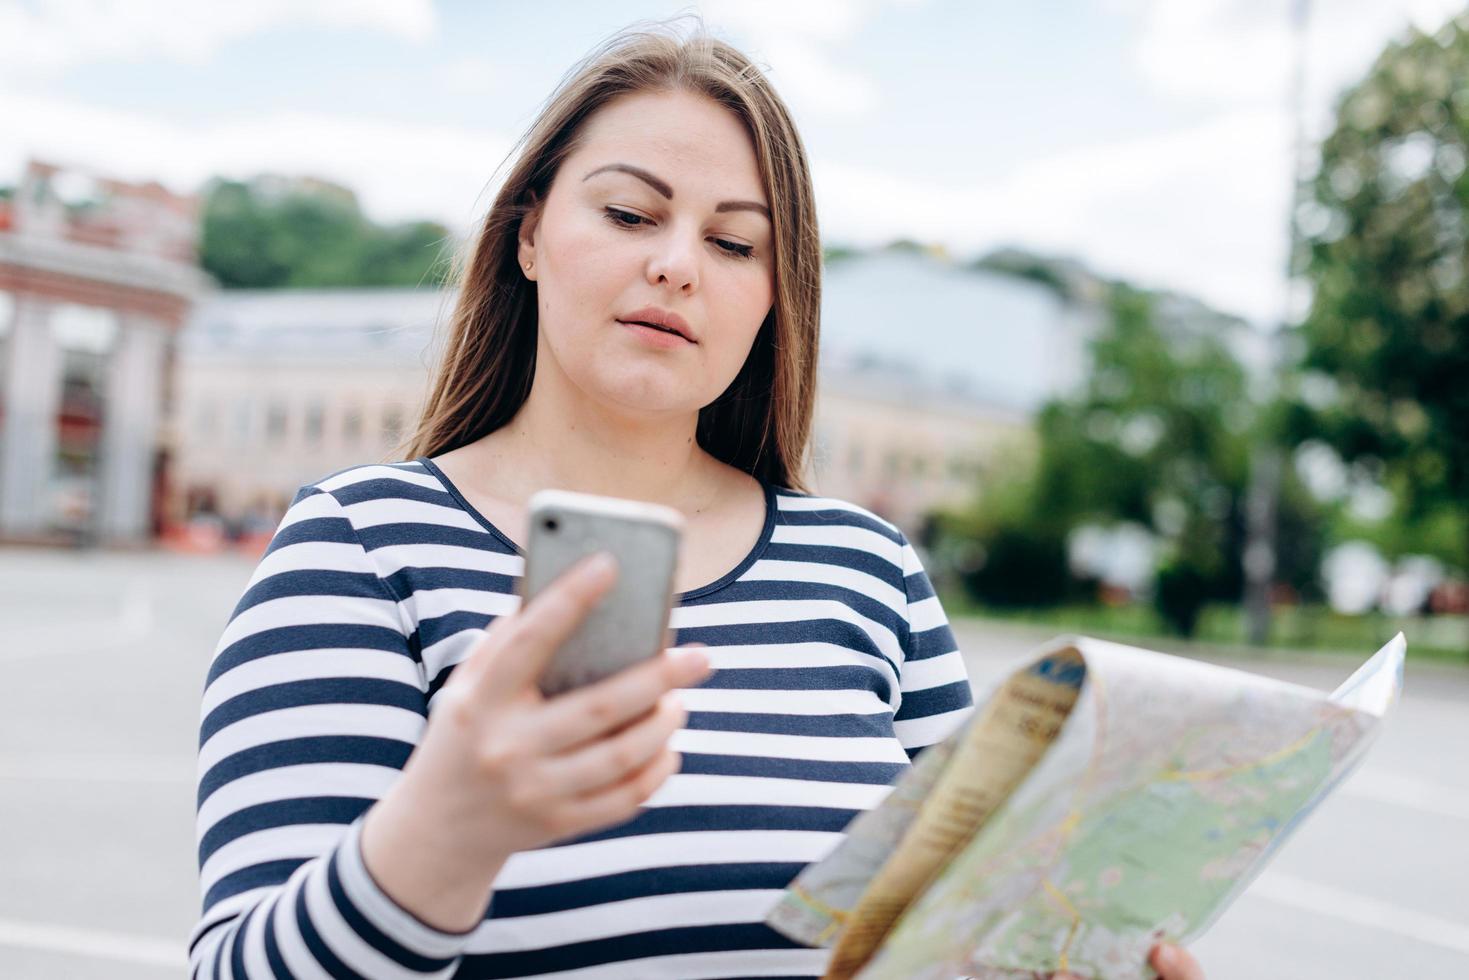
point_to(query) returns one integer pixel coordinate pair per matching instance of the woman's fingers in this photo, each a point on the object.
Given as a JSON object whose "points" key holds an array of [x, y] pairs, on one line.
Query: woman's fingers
{"points": [[620, 801], [1171, 962], [1175, 963], [516, 648], [587, 713], [610, 760]]}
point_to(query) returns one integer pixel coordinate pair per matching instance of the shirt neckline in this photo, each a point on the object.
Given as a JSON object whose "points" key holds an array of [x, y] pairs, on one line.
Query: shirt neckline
{"points": [[766, 532]]}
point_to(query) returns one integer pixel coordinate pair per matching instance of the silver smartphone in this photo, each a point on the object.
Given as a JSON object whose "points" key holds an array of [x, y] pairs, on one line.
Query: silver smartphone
{"points": [[630, 623]]}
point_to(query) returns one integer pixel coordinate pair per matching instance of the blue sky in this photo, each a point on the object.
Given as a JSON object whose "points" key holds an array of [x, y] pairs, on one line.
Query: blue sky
{"points": [[1150, 140]]}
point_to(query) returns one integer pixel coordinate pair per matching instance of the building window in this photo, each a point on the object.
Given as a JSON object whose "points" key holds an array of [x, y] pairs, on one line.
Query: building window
{"points": [[86, 338], [206, 419], [312, 424], [275, 422], [352, 427], [244, 420], [392, 424], [821, 451], [7, 317]]}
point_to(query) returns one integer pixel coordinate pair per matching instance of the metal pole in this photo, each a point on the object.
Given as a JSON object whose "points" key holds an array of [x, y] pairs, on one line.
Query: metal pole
{"points": [[1267, 456]]}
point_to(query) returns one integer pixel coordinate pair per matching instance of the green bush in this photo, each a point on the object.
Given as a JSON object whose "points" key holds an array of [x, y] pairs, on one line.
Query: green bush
{"points": [[1021, 566], [1180, 592]]}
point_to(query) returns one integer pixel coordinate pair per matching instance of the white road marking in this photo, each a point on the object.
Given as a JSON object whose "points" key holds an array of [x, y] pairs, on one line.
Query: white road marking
{"points": [[1360, 910], [1408, 791], [99, 769], [119, 947], [134, 620], [1275, 887]]}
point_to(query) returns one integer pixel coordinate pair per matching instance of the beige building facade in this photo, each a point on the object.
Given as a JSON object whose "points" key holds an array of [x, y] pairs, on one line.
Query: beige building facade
{"points": [[278, 388], [902, 450]]}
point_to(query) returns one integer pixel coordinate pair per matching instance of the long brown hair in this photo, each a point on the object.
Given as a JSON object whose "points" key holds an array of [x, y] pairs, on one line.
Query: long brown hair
{"points": [[762, 421]]}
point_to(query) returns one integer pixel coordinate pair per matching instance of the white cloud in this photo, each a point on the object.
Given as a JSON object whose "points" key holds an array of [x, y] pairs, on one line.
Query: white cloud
{"points": [[1200, 209], [1193, 210], [471, 76], [798, 41], [825, 21], [1203, 209], [399, 170], [1216, 49], [818, 84], [1237, 52], [40, 39]]}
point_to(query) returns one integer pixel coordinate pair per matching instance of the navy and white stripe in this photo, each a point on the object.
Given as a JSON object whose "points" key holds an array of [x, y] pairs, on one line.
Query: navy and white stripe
{"points": [[835, 666]]}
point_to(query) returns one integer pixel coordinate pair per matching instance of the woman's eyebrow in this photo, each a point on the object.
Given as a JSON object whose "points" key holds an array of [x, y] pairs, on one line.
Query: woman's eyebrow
{"points": [[662, 187]]}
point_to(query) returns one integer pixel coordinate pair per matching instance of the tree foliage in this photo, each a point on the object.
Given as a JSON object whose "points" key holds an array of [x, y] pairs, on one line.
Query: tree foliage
{"points": [[1158, 436], [1385, 344], [272, 233]]}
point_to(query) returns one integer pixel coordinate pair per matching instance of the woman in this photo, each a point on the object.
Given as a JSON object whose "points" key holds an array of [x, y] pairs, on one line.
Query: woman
{"points": [[638, 318]]}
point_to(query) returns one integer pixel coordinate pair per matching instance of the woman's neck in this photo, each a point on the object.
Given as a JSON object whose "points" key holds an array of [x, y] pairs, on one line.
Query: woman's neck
{"points": [[559, 438]]}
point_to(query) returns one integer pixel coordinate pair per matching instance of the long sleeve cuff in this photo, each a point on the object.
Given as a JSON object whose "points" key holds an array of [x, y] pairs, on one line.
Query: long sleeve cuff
{"points": [[380, 921]]}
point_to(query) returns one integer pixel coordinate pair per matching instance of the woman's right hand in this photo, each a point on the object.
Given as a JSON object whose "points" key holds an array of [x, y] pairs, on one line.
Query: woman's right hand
{"points": [[501, 768]]}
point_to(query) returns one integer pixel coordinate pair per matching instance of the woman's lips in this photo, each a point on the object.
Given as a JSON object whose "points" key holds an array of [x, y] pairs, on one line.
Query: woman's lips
{"points": [[657, 316], [653, 336]]}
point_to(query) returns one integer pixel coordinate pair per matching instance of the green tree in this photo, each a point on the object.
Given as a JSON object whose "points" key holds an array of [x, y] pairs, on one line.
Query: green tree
{"points": [[1159, 436], [271, 233], [1385, 344], [1004, 551]]}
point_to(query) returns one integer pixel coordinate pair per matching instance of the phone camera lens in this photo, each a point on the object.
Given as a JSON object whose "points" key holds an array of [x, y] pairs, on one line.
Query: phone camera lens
{"points": [[549, 524]]}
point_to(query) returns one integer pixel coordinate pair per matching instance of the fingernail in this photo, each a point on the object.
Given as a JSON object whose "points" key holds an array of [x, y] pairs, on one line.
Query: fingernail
{"points": [[1163, 957], [691, 660]]}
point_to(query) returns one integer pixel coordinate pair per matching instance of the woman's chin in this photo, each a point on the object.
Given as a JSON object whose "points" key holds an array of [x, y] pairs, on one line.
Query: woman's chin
{"points": [[642, 399]]}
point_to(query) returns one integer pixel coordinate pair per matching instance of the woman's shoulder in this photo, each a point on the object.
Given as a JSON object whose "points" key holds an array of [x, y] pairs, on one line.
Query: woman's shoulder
{"points": [[377, 503], [379, 481], [808, 507], [831, 530]]}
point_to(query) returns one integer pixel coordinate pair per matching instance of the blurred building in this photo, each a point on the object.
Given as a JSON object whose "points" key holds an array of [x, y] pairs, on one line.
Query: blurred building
{"points": [[279, 387], [276, 388], [96, 277], [888, 441], [987, 336]]}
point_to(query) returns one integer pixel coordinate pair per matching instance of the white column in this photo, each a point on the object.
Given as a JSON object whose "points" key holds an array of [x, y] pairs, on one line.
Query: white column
{"points": [[130, 429], [32, 397]]}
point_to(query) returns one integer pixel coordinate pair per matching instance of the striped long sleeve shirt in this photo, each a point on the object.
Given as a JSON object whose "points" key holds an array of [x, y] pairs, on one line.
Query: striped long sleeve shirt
{"points": [[834, 665]]}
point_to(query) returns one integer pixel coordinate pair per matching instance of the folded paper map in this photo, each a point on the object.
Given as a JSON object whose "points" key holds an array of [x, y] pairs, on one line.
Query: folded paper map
{"points": [[1102, 799]]}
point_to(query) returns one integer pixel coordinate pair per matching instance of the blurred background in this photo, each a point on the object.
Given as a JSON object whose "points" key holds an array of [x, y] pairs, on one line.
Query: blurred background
{"points": [[1146, 320]]}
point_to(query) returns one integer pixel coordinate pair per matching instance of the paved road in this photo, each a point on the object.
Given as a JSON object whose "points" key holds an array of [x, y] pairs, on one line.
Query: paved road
{"points": [[102, 662]]}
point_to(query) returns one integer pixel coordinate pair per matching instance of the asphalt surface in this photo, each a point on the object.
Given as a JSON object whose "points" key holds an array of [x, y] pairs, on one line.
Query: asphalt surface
{"points": [[103, 659]]}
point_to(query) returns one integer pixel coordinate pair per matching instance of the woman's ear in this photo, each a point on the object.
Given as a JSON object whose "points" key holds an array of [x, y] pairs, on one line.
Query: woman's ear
{"points": [[526, 235]]}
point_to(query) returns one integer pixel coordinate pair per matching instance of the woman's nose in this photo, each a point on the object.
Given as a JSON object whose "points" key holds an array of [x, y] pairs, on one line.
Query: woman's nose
{"points": [[675, 261]]}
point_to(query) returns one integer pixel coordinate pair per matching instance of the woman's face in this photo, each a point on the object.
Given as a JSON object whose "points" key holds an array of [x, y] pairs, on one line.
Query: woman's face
{"points": [[660, 213]]}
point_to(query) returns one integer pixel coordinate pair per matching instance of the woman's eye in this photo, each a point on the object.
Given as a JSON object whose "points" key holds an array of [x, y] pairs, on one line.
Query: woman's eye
{"points": [[629, 219], [735, 248], [620, 217]]}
